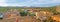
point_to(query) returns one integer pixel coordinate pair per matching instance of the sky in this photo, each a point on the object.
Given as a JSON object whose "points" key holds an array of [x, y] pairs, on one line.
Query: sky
{"points": [[34, 3]]}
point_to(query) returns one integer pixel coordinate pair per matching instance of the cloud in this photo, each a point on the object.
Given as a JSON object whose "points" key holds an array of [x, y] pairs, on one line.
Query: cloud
{"points": [[46, 1], [2, 3], [28, 2], [2, 0], [55, 0]]}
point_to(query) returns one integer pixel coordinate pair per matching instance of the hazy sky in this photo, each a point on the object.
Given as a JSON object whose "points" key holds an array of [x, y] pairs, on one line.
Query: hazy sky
{"points": [[40, 3]]}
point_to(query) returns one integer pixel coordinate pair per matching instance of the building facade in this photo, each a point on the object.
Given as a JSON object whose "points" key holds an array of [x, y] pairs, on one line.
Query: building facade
{"points": [[12, 13]]}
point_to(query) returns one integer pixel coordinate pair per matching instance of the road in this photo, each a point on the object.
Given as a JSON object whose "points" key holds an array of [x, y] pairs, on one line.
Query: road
{"points": [[20, 19]]}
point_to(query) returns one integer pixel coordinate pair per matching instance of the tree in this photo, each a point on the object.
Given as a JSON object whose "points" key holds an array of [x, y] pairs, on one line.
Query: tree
{"points": [[24, 13]]}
